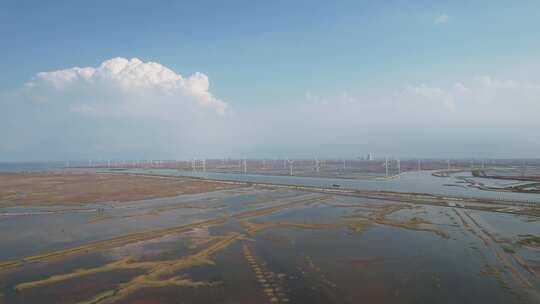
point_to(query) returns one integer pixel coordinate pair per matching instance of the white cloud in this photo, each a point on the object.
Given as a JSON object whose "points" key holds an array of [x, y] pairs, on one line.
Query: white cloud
{"points": [[126, 108], [441, 19], [128, 80], [82, 108], [308, 96], [460, 88], [433, 94], [483, 94]]}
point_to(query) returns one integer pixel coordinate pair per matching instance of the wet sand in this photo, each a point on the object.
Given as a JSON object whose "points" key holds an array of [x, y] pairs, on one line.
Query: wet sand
{"points": [[270, 245]]}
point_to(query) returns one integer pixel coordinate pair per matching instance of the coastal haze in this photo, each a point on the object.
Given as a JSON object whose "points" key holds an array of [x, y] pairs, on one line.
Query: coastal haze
{"points": [[280, 152]]}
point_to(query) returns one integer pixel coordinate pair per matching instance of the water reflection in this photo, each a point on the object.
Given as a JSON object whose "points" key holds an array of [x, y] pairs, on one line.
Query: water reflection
{"points": [[265, 246]]}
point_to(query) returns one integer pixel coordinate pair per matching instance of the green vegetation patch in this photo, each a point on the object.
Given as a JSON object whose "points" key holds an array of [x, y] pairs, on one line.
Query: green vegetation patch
{"points": [[529, 240], [508, 249]]}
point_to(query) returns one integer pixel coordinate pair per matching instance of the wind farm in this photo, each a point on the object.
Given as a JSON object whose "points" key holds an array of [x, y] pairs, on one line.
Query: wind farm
{"points": [[201, 228]]}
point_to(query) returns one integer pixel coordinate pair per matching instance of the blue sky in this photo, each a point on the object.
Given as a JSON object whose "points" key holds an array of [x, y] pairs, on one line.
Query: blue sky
{"points": [[267, 56]]}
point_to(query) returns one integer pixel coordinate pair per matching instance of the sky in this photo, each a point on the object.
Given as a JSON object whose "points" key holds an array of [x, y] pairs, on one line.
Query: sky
{"points": [[297, 79]]}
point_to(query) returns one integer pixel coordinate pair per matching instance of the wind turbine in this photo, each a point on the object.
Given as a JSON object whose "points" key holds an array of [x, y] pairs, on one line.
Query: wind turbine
{"points": [[291, 163]]}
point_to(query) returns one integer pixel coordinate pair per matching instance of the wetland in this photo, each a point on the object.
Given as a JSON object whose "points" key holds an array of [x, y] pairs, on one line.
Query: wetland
{"points": [[199, 241]]}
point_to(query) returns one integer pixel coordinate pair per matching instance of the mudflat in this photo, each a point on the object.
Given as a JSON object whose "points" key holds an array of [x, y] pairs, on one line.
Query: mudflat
{"points": [[22, 189], [264, 244]]}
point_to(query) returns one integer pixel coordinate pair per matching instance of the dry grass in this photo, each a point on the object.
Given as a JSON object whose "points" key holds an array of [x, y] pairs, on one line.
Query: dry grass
{"points": [[273, 209], [157, 273], [107, 244], [380, 215], [73, 189]]}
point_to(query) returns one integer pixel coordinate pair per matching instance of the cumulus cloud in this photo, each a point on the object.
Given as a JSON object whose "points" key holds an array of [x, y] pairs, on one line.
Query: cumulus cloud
{"points": [[482, 95], [121, 108], [131, 109], [132, 79], [441, 19], [433, 94]]}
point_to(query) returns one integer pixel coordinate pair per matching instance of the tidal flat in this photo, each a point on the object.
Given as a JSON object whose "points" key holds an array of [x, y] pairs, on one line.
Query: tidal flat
{"points": [[262, 244]]}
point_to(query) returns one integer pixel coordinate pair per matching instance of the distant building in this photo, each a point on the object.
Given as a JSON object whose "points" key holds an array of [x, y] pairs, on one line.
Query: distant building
{"points": [[370, 156]]}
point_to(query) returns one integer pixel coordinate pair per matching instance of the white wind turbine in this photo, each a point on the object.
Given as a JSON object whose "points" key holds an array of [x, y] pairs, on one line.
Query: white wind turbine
{"points": [[291, 163]]}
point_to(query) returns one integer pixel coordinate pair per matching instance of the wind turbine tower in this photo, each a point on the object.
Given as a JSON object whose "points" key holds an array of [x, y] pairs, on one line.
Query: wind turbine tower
{"points": [[291, 163]]}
